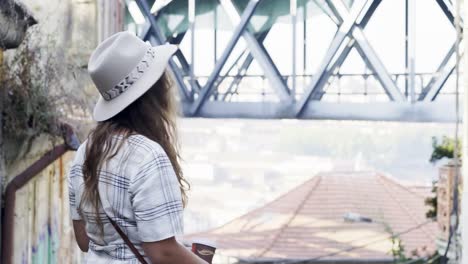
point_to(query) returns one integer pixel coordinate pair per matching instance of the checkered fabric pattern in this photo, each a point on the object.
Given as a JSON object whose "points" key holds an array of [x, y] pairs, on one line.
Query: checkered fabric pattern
{"points": [[138, 190]]}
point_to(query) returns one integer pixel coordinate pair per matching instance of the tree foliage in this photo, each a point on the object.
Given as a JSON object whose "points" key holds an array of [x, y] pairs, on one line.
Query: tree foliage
{"points": [[444, 149]]}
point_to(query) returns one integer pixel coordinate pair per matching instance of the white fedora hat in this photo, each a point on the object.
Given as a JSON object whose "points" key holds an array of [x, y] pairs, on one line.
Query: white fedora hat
{"points": [[123, 68]]}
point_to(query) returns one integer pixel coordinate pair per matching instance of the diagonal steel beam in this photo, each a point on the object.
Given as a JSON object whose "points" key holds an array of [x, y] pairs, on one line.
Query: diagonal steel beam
{"points": [[443, 71], [245, 65], [183, 61], [241, 26], [146, 34], [236, 62], [432, 89], [233, 65], [374, 63], [180, 56], [157, 39], [366, 51], [238, 78], [147, 25], [448, 9], [335, 19], [177, 73], [432, 93], [343, 31], [349, 44], [335, 12], [260, 54]]}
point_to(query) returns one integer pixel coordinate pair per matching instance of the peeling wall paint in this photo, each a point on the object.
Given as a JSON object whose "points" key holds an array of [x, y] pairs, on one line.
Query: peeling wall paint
{"points": [[43, 229]]}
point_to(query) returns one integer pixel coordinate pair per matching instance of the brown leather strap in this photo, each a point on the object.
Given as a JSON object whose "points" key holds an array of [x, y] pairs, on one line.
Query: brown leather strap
{"points": [[128, 242]]}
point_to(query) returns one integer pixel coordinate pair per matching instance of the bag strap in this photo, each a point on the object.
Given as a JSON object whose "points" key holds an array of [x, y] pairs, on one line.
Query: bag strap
{"points": [[128, 242]]}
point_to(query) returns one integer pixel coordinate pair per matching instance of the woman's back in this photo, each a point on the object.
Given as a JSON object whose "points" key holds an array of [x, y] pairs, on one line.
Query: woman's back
{"points": [[126, 180], [138, 189]]}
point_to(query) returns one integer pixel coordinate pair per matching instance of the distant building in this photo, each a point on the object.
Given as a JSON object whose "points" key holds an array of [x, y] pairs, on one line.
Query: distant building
{"points": [[336, 217]]}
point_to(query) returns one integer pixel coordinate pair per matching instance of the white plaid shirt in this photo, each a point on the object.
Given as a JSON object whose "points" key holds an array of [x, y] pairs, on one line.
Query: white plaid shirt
{"points": [[139, 191]]}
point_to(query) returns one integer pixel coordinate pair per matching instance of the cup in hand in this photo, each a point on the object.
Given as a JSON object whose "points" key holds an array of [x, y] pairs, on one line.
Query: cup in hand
{"points": [[205, 250]]}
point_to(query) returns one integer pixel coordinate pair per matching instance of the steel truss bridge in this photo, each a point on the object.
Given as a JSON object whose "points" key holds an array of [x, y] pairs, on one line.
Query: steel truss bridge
{"points": [[230, 91]]}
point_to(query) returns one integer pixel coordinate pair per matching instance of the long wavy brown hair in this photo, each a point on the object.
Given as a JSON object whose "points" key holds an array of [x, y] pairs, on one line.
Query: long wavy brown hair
{"points": [[152, 115]]}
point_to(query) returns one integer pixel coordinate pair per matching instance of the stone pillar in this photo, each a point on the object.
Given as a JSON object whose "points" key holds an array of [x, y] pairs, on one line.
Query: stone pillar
{"points": [[445, 201], [445, 188]]}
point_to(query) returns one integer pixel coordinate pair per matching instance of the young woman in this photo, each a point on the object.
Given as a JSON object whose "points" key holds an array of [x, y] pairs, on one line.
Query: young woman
{"points": [[127, 190]]}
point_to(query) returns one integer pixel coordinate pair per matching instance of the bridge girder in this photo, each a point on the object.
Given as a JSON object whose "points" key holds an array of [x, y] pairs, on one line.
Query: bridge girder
{"points": [[206, 101]]}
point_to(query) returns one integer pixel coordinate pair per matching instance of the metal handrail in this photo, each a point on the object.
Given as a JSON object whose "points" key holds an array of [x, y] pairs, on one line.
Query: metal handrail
{"points": [[71, 142]]}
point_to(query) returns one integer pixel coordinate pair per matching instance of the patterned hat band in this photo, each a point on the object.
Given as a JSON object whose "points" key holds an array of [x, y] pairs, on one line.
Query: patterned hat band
{"points": [[132, 77]]}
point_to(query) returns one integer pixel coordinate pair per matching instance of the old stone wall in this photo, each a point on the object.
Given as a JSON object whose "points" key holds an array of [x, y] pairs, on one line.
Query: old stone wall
{"points": [[42, 228], [70, 29]]}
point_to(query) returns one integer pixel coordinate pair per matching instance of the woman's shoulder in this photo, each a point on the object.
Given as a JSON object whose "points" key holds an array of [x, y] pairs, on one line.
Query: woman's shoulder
{"points": [[146, 145], [136, 144], [80, 153]]}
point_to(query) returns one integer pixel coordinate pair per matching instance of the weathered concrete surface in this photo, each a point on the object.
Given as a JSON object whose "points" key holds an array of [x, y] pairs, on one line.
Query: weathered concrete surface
{"points": [[14, 21], [42, 229]]}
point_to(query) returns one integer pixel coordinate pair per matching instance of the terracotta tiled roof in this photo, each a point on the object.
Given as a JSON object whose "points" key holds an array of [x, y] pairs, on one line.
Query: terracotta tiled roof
{"points": [[308, 222]]}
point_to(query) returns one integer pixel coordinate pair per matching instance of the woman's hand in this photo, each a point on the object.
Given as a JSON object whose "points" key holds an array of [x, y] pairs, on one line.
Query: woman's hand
{"points": [[170, 251]]}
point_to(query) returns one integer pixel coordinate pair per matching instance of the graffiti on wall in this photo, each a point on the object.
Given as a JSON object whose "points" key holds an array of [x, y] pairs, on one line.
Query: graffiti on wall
{"points": [[43, 230]]}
